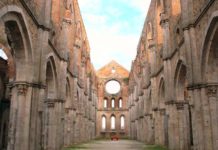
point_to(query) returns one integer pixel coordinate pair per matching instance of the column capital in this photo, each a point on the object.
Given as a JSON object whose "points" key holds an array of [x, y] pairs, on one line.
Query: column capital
{"points": [[212, 90]]}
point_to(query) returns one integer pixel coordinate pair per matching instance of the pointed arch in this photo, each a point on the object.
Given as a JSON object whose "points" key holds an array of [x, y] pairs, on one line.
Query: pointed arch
{"points": [[103, 122], [209, 55], [180, 81], [122, 122], [105, 103], [113, 103], [18, 41], [120, 102], [113, 122], [51, 78]]}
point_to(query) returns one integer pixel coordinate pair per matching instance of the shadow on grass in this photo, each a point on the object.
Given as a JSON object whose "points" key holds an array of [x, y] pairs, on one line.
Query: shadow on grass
{"points": [[154, 147]]}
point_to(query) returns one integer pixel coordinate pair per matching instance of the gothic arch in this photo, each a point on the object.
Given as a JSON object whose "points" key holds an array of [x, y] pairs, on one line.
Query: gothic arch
{"points": [[113, 122], [18, 39], [105, 102], [51, 78], [209, 55], [103, 122], [122, 121], [120, 102], [180, 81]]}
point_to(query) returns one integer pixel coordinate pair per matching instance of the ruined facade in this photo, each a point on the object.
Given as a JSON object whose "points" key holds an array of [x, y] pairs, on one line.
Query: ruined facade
{"points": [[112, 112], [173, 81], [47, 84]]}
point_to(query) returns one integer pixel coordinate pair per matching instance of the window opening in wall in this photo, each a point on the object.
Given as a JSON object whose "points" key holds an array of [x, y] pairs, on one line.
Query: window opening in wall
{"points": [[105, 103], [120, 103], [112, 87], [122, 122], [3, 55], [103, 121], [112, 103], [113, 122]]}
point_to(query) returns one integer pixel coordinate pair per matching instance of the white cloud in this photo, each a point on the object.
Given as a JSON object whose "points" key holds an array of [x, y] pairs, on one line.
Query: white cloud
{"points": [[107, 42], [107, 45]]}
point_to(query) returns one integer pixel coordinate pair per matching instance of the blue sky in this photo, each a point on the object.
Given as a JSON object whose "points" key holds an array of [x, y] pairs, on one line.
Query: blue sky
{"points": [[113, 28]]}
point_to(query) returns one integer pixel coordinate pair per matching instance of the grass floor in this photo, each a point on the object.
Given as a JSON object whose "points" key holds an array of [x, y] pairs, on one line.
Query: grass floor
{"points": [[154, 147], [84, 147]]}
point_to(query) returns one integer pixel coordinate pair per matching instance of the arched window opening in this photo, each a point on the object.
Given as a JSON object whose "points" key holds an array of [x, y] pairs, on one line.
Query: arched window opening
{"points": [[113, 122], [3, 55], [122, 122], [113, 103], [120, 103], [105, 103], [103, 123]]}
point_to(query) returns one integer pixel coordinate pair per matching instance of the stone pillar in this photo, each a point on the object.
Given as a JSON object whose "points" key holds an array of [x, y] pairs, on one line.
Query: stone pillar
{"points": [[207, 119], [68, 127], [183, 126], [76, 51], [212, 97], [199, 138], [20, 117], [53, 125]]}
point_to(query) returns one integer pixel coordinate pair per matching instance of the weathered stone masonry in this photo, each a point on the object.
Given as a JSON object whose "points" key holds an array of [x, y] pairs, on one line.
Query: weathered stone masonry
{"points": [[48, 84], [112, 107], [174, 77], [51, 96]]}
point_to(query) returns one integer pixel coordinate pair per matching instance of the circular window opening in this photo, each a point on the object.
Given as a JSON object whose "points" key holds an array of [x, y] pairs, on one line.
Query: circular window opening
{"points": [[112, 87]]}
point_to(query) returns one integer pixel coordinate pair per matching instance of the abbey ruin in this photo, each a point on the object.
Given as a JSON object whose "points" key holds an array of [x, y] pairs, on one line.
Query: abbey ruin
{"points": [[52, 97]]}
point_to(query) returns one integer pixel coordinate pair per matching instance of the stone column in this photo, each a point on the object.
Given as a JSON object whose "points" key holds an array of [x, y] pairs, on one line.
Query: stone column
{"points": [[20, 117], [183, 128], [68, 127], [199, 138], [212, 97], [76, 51]]}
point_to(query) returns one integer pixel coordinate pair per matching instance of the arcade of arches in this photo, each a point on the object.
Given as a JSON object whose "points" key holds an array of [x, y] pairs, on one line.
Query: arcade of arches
{"points": [[51, 96]]}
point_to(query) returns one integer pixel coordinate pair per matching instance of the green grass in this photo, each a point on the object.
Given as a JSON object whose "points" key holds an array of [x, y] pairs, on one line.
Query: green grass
{"points": [[84, 146], [154, 147], [76, 147]]}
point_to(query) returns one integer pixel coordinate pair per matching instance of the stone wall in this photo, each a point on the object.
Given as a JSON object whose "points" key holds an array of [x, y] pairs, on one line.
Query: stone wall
{"points": [[50, 82], [173, 81], [112, 72]]}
